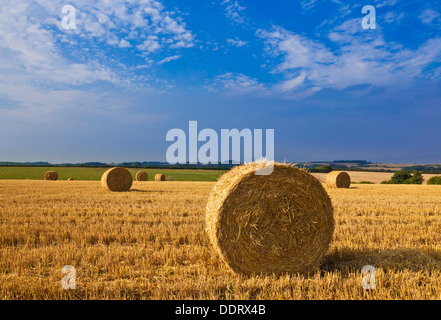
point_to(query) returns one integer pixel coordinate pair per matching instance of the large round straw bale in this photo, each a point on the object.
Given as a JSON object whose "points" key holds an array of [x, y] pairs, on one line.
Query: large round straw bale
{"points": [[70, 179], [142, 176], [338, 179], [264, 224], [51, 175], [159, 177], [117, 179]]}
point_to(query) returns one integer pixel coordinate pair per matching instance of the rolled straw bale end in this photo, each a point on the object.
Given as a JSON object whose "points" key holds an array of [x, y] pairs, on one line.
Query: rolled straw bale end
{"points": [[142, 176], [338, 179], [51, 175], [117, 179], [265, 224]]}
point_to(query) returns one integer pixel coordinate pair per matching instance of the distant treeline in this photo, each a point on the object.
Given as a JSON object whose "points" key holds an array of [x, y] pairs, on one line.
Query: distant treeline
{"points": [[146, 165], [433, 169], [424, 169], [25, 164], [333, 167], [358, 162]]}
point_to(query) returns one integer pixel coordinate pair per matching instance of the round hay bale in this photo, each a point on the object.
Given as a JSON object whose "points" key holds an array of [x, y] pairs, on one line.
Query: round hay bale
{"points": [[51, 175], [142, 176], [338, 179], [159, 177], [117, 179], [70, 179], [264, 224]]}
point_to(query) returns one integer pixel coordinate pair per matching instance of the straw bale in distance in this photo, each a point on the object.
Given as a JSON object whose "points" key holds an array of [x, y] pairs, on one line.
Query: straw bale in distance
{"points": [[142, 176], [159, 177], [70, 179], [265, 224], [117, 179], [338, 179], [51, 175]]}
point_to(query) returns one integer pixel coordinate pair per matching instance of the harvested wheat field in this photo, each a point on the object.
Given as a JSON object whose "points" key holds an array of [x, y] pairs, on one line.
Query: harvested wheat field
{"points": [[374, 177], [150, 243]]}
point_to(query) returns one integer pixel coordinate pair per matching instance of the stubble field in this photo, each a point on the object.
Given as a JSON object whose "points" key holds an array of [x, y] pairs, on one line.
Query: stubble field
{"points": [[150, 243]]}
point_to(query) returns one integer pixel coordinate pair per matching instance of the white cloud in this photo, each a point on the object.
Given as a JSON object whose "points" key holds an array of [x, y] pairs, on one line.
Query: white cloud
{"points": [[382, 3], [31, 37], [235, 83], [28, 52], [101, 20], [124, 44], [342, 7], [168, 59], [46, 70], [238, 84], [236, 42], [428, 16], [308, 4], [151, 44], [360, 58], [233, 11], [393, 17], [289, 85]]}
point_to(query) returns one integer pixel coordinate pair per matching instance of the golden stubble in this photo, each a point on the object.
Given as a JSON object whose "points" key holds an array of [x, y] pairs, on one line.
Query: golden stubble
{"points": [[150, 243]]}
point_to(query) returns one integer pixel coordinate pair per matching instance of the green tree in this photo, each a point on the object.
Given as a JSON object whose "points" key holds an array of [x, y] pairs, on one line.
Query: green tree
{"points": [[434, 180], [417, 178], [405, 177], [400, 177], [324, 169]]}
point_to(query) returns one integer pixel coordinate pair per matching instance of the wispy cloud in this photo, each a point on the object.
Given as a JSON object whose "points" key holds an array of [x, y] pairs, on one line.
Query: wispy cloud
{"points": [[29, 53], [235, 83], [291, 84], [238, 84], [68, 72], [168, 59], [237, 42], [307, 4], [393, 17], [361, 58], [233, 11], [383, 3], [313, 5], [34, 46], [428, 16], [111, 22]]}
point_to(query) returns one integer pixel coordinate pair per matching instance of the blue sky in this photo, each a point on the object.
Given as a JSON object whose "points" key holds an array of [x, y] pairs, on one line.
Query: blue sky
{"points": [[112, 88]]}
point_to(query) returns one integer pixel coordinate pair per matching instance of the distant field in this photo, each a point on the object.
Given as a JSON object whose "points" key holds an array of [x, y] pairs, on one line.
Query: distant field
{"points": [[375, 177], [94, 174], [395, 166]]}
